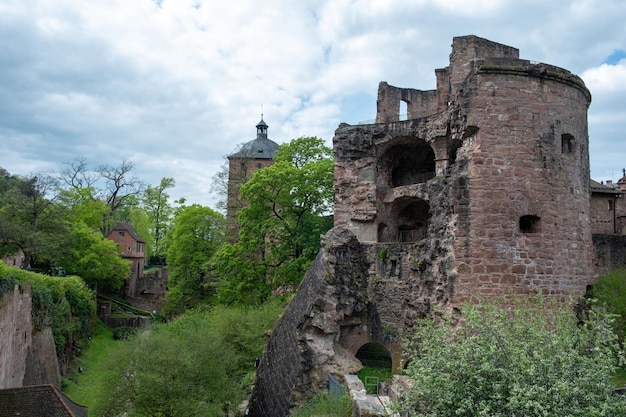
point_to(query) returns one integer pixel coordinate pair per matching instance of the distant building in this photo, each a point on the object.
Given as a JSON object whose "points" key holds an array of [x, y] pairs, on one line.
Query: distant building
{"points": [[252, 156], [16, 260], [608, 225], [605, 203], [132, 248]]}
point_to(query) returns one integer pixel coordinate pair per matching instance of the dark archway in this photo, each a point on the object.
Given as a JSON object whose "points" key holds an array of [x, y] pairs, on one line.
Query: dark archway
{"points": [[410, 161], [374, 355], [411, 215]]}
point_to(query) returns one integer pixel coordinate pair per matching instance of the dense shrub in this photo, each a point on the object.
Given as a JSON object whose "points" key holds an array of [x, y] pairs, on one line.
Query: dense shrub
{"points": [[514, 360], [123, 333], [65, 304], [202, 363]]}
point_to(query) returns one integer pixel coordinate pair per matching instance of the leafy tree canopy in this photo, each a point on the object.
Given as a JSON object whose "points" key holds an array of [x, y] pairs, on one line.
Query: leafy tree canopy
{"points": [[526, 360], [288, 207], [196, 235], [202, 363], [94, 258]]}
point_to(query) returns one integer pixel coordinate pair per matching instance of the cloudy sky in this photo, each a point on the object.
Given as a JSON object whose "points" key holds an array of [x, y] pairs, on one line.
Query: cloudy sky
{"points": [[175, 85]]}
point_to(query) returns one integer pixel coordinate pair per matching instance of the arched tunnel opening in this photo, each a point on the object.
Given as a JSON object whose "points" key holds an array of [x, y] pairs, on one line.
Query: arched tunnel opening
{"points": [[377, 366]]}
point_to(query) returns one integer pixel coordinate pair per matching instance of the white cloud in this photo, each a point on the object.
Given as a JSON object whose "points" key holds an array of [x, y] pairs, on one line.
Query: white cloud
{"points": [[176, 85]]}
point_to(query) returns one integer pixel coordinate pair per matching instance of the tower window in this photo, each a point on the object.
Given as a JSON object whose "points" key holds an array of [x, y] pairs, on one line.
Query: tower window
{"points": [[529, 224], [567, 143], [610, 205]]}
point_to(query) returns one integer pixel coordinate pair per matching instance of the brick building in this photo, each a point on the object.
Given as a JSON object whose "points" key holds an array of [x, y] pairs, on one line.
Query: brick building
{"points": [[252, 156], [132, 248]]}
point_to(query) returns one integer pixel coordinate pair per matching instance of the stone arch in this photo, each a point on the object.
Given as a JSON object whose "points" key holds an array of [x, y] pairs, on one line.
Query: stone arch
{"points": [[407, 161], [410, 216], [374, 354]]}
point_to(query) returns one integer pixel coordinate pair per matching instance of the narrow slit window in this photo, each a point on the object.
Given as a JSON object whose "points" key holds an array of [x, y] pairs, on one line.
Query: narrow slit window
{"points": [[568, 143], [610, 205], [529, 224]]}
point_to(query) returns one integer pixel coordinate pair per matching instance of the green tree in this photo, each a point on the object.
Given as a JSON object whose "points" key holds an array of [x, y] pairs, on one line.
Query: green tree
{"points": [[526, 359], [196, 235], [30, 221], [288, 207], [116, 186], [202, 363], [155, 202], [94, 258]]}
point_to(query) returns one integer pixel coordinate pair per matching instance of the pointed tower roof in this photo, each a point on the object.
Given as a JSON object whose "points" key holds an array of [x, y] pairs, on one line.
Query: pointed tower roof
{"points": [[260, 148]]}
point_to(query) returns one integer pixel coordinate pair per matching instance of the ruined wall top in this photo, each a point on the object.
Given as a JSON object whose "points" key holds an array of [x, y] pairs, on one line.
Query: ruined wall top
{"points": [[467, 49], [470, 54]]}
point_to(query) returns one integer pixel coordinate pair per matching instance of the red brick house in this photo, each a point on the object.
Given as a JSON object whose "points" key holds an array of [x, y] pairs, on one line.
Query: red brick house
{"points": [[132, 248]]}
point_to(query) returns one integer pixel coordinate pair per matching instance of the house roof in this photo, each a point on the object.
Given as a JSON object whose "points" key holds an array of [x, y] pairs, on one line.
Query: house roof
{"points": [[123, 226], [600, 188], [38, 401]]}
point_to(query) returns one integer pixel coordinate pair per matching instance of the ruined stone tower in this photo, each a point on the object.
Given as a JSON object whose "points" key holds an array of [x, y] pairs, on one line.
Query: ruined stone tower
{"points": [[490, 172], [482, 190]]}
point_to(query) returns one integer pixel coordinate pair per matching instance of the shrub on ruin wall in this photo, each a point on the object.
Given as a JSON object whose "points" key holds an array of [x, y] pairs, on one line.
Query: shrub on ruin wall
{"points": [[514, 360], [65, 304]]}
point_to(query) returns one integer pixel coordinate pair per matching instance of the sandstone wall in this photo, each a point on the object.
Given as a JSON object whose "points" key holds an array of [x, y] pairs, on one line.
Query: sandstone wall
{"points": [[15, 335], [26, 357], [609, 253], [303, 348]]}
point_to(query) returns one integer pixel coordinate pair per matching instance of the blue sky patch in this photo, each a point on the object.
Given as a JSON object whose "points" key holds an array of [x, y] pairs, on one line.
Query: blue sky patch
{"points": [[615, 57]]}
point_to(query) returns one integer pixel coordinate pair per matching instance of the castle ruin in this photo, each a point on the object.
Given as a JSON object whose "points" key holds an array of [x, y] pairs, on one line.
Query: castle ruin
{"points": [[480, 190]]}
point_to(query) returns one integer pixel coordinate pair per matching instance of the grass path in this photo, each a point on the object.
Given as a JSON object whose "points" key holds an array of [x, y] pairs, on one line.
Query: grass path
{"points": [[91, 386]]}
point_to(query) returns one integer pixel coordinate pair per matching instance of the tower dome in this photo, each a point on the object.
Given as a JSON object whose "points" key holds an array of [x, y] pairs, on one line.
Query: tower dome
{"points": [[259, 148]]}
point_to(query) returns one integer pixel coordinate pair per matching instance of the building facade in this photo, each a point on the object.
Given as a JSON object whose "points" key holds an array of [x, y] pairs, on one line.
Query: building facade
{"points": [[253, 155], [132, 248]]}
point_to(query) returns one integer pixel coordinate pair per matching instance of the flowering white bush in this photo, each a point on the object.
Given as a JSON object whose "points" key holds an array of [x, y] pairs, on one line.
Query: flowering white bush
{"points": [[520, 359]]}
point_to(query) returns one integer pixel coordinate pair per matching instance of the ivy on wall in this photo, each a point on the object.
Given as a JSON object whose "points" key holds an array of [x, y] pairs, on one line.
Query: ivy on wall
{"points": [[65, 304]]}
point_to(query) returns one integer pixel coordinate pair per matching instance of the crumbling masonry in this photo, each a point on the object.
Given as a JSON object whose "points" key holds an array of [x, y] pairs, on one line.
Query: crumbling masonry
{"points": [[481, 190]]}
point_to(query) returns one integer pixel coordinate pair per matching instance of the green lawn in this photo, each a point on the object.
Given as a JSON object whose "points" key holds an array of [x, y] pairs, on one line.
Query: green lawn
{"points": [[90, 387], [619, 379]]}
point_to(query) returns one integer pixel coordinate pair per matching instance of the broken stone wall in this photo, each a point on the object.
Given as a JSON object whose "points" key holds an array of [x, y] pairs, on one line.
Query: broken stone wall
{"points": [[303, 350]]}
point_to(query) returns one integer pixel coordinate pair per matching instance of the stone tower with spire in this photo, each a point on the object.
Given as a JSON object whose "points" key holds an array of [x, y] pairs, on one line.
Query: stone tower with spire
{"points": [[253, 155]]}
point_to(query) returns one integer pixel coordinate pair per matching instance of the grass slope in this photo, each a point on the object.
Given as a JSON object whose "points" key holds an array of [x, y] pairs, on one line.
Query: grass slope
{"points": [[91, 387]]}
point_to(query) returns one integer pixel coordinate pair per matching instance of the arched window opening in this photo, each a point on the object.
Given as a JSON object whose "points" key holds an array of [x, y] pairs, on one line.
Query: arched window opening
{"points": [[412, 218], [529, 224], [404, 111], [408, 163], [568, 143]]}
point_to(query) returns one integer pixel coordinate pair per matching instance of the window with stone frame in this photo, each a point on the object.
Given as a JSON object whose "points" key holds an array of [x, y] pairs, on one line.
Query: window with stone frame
{"points": [[568, 143], [529, 224]]}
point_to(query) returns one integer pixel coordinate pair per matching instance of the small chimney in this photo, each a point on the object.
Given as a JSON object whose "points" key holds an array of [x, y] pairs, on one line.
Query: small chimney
{"points": [[609, 183]]}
